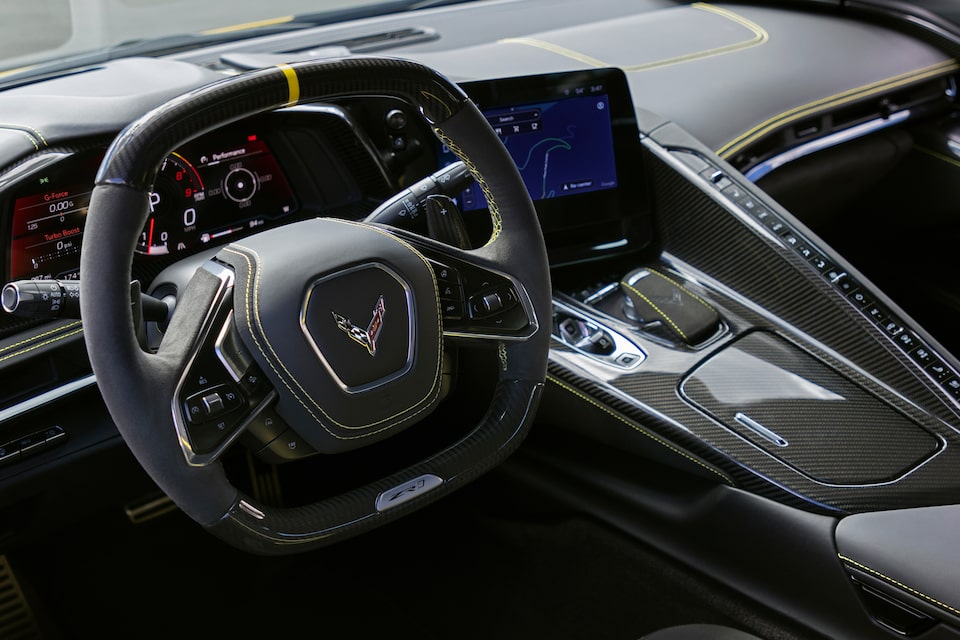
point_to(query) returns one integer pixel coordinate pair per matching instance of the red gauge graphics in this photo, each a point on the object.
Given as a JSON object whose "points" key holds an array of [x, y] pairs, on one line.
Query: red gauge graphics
{"points": [[175, 202], [213, 189], [48, 222]]}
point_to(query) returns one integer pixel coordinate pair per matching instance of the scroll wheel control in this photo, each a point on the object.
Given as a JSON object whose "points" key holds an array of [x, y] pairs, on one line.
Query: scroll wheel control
{"points": [[649, 296]]}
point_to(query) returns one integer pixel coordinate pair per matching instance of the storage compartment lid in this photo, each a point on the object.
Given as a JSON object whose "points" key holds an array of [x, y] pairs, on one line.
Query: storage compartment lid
{"points": [[801, 411]]}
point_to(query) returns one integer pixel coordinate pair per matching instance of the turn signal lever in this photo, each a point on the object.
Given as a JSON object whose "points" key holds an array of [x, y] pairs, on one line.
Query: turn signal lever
{"points": [[449, 181], [42, 299]]}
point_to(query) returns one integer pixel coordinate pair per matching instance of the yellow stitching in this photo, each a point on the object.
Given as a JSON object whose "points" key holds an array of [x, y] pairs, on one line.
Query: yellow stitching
{"points": [[495, 217], [682, 288], [40, 335], [432, 393], [657, 309], [443, 103], [42, 344], [938, 156], [636, 428], [557, 49], [760, 36], [743, 140], [293, 83], [26, 126], [897, 583]]}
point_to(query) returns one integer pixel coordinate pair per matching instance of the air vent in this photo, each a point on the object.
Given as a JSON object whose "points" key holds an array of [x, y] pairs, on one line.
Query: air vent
{"points": [[386, 40], [335, 48]]}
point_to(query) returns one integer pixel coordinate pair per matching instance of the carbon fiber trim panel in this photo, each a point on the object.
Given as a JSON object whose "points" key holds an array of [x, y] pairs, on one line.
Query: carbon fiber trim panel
{"points": [[793, 407], [757, 283]]}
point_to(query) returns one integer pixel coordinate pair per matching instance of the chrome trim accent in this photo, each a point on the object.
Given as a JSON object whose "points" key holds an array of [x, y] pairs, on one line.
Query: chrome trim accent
{"points": [[395, 496], [411, 328], [194, 459], [621, 344], [759, 429], [251, 510], [218, 350], [47, 397], [827, 141]]}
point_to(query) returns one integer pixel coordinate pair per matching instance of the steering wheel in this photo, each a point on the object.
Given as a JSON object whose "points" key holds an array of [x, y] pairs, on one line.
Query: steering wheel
{"points": [[332, 328]]}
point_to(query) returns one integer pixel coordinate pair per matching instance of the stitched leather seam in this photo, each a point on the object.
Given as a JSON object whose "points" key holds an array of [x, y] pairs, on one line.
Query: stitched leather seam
{"points": [[495, 217], [657, 309], [638, 429], [39, 336], [42, 344], [427, 94], [760, 36], [21, 127], [899, 584], [684, 289]]}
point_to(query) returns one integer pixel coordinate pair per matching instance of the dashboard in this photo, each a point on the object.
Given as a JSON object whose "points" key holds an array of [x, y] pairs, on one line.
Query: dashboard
{"points": [[797, 381]]}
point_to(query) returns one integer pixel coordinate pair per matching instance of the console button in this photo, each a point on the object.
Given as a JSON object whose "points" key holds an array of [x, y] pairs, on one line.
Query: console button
{"points": [[907, 341], [859, 298], [820, 263], [9, 452], [875, 312], [285, 447], [54, 434], [451, 309], [893, 327], [922, 356], [952, 385], [733, 192], [938, 370], [846, 284], [31, 444], [805, 251], [791, 240]]}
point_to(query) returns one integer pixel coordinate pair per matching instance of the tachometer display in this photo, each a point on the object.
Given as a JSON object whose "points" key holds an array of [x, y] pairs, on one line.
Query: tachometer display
{"points": [[177, 192]]}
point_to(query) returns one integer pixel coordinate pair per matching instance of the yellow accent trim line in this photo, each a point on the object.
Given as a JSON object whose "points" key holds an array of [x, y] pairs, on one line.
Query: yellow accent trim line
{"points": [[636, 428], [760, 36], [797, 113], [41, 344], [243, 26], [938, 156], [557, 49], [40, 335], [897, 583], [293, 83]]}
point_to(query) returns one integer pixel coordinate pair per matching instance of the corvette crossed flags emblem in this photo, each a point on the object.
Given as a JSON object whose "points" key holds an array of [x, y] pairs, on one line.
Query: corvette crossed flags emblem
{"points": [[367, 337]]}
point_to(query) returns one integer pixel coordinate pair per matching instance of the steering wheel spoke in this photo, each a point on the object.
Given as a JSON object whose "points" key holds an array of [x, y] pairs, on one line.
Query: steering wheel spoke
{"points": [[220, 390], [479, 300]]}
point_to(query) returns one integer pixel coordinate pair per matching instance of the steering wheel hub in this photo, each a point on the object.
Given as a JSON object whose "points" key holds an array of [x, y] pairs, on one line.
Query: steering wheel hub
{"points": [[332, 310]]}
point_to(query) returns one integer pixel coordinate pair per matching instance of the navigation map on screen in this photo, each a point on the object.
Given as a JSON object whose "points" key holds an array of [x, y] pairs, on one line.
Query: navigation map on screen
{"points": [[563, 147]]}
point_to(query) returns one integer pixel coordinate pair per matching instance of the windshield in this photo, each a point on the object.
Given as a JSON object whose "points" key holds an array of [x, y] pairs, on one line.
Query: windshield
{"points": [[33, 31]]}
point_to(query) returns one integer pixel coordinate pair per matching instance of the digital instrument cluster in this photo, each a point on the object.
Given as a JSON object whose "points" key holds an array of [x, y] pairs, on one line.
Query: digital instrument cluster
{"points": [[219, 185]]}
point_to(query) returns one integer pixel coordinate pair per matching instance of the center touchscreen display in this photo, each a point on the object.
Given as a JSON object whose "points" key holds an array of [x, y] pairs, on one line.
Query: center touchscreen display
{"points": [[574, 137], [561, 147]]}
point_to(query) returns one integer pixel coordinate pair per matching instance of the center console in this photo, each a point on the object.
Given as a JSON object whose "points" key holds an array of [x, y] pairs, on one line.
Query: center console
{"points": [[697, 311]]}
